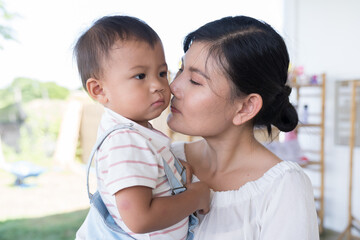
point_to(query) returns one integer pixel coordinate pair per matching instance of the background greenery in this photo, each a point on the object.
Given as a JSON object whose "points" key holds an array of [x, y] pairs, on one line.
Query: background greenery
{"points": [[6, 32], [35, 107], [31, 89], [38, 113], [54, 227]]}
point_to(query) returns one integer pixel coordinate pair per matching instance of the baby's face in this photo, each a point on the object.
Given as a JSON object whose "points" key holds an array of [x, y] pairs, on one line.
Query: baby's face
{"points": [[135, 80]]}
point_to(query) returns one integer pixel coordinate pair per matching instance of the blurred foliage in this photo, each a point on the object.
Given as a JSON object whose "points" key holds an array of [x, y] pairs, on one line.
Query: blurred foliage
{"points": [[30, 89], [39, 125], [6, 32], [11, 113], [54, 227], [38, 134], [37, 109]]}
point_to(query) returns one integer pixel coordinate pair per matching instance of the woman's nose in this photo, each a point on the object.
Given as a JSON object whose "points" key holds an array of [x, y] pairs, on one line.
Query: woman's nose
{"points": [[174, 87]]}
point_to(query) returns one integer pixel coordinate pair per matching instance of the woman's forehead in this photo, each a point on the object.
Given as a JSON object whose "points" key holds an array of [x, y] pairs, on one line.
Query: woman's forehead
{"points": [[199, 60], [197, 54], [201, 56]]}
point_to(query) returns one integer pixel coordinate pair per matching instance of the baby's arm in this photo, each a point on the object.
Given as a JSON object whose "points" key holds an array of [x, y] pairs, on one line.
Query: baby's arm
{"points": [[142, 213]]}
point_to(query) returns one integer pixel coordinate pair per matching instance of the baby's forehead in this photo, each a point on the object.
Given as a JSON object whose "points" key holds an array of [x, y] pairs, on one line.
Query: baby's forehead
{"points": [[120, 44], [132, 42], [130, 47]]}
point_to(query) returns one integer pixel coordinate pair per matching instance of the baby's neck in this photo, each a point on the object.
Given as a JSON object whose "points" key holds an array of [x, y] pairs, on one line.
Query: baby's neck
{"points": [[144, 124]]}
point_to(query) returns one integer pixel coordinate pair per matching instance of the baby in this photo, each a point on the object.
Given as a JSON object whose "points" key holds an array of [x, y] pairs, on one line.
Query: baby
{"points": [[122, 65]]}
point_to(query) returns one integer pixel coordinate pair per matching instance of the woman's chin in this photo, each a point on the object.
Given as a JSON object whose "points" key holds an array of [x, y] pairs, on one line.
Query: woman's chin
{"points": [[175, 124], [170, 121]]}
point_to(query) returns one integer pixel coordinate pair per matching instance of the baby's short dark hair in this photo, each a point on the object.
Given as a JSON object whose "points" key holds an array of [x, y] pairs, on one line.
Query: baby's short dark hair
{"points": [[94, 44]]}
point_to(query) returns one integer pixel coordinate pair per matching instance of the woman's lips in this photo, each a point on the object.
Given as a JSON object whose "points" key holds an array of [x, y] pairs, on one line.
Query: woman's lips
{"points": [[174, 109]]}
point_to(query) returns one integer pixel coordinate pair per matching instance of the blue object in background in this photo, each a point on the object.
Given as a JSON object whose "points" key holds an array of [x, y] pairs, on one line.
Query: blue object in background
{"points": [[23, 170], [20, 169]]}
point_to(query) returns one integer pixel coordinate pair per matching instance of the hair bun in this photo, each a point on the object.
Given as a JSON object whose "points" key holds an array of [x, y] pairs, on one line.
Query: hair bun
{"points": [[287, 90], [287, 118]]}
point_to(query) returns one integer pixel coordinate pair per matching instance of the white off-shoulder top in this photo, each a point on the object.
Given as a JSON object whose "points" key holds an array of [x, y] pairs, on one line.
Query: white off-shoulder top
{"points": [[277, 206]]}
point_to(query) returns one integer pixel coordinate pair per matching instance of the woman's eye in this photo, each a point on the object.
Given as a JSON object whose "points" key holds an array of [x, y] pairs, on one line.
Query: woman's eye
{"points": [[163, 74], [140, 76], [194, 83]]}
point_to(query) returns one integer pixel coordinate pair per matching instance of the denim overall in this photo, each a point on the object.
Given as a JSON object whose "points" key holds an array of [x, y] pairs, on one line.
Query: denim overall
{"points": [[100, 224]]}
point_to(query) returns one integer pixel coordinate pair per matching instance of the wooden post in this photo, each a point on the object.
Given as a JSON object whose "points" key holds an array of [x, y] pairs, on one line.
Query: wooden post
{"points": [[347, 231], [322, 156], [351, 146], [69, 135]]}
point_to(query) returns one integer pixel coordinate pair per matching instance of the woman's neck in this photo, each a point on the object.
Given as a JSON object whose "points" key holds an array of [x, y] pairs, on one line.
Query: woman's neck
{"points": [[229, 161], [229, 151]]}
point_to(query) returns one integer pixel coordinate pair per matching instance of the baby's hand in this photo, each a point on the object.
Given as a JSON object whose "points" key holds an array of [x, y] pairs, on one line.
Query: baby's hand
{"points": [[189, 171], [203, 194]]}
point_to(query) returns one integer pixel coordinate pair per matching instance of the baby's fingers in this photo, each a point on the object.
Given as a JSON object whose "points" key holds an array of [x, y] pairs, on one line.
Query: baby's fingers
{"points": [[204, 210], [188, 170]]}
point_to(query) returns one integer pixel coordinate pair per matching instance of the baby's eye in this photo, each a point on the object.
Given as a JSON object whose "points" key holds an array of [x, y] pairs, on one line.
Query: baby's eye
{"points": [[163, 74], [140, 76]]}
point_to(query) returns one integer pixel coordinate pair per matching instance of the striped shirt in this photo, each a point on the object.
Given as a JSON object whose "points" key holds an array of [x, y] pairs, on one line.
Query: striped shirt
{"points": [[130, 158]]}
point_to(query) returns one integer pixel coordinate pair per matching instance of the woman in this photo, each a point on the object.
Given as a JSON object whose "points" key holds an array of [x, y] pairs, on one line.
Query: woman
{"points": [[232, 80]]}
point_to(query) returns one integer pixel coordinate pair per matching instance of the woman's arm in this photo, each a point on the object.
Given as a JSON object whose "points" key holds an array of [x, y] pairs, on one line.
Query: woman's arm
{"points": [[142, 213]]}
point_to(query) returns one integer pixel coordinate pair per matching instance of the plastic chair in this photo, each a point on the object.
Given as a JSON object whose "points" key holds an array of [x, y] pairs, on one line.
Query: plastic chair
{"points": [[20, 169]]}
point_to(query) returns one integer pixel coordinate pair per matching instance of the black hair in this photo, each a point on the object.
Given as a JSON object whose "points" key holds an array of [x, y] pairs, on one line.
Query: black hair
{"points": [[94, 44], [255, 59]]}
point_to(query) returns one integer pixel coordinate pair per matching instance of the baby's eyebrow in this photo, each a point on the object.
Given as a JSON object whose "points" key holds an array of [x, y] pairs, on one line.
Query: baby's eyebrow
{"points": [[164, 65], [137, 66], [144, 66]]}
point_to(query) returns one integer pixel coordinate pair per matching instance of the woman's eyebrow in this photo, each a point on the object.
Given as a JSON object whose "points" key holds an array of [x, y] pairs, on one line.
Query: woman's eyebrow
{"points": [[198, 71]]}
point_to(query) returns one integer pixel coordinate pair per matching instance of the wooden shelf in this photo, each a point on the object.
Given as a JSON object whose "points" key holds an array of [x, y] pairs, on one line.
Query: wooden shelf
{"points": [[309, 125], [353, 223], [306, 85], [316, 167]]}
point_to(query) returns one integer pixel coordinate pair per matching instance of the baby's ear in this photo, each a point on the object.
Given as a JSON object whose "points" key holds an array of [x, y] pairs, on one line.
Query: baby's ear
{"points": [[248, 108], [96, 90]]}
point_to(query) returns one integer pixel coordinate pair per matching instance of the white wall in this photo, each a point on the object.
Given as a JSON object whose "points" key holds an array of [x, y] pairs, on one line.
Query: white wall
{"points": [[324, 36]]}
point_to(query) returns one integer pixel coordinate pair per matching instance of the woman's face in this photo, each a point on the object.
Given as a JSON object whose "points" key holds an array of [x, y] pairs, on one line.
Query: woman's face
{"points": [[201, 104]]}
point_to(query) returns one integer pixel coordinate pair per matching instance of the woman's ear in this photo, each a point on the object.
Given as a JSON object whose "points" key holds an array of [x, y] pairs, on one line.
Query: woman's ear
{"points": [[96, 90], [248, 108]]}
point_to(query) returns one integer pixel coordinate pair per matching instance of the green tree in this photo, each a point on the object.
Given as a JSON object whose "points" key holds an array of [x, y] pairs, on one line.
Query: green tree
{"points": [[31, 89], [6, 32], [39, 123]]}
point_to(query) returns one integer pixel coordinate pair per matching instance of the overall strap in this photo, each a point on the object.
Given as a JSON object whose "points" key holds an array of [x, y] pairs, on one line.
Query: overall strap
{"points": [[97, 145], [175, 184], [180, 168]]}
